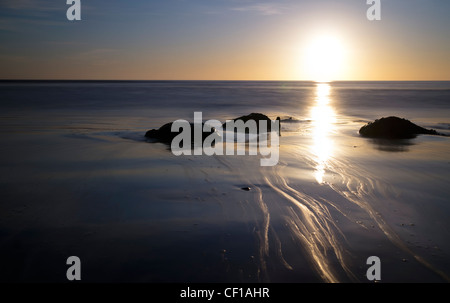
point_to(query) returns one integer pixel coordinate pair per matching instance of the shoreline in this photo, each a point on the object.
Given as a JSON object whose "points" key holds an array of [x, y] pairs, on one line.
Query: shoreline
{"points": [[201, 198], [82, 181]]}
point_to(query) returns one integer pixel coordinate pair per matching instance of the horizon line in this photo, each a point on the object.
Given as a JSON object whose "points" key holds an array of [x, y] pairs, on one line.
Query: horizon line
{"points": [[206, 80]]}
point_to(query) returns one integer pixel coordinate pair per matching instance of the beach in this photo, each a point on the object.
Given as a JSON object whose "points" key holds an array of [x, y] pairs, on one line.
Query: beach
{"points": [[78, 178]]}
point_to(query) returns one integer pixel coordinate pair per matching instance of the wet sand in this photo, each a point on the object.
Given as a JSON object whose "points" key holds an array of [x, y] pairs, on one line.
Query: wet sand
{"points": [[133, 212]]}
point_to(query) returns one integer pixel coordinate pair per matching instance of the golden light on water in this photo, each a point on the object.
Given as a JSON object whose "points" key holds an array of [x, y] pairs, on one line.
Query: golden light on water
{"points": [[323, 118]]}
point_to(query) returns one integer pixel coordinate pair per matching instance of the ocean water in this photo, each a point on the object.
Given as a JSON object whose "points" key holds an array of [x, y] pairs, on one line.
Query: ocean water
{"points": [[78, 178]]}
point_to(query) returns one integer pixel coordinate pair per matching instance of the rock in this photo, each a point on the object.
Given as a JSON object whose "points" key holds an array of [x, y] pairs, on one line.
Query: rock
{"points": [[165, 135], [256, 117], [246, 188], [394, 128]]}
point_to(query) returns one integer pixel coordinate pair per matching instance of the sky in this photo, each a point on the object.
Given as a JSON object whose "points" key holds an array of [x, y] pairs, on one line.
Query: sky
{"points": [[225, 40]]}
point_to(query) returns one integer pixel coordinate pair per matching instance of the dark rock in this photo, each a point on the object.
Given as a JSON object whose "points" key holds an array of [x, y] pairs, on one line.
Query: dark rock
{"points": [[165, 135], [256, 117], [394, 128]]}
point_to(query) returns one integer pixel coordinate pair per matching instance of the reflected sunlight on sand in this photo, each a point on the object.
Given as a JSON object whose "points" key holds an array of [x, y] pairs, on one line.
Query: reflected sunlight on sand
{"points": [[323, 118]]}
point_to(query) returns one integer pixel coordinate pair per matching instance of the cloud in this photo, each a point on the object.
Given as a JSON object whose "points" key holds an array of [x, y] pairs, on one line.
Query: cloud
{"points": [[265, 9], [31, 5], [23, 15], [23, 25]]}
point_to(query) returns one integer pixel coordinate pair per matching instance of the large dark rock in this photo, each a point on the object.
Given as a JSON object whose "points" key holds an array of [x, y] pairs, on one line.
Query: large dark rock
{"points": [[394, 128], [165, 135], [256, 117]]}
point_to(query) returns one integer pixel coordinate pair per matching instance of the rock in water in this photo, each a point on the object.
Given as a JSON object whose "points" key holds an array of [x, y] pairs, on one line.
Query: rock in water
{"points": [[256, 117], [165, 135], [394, 128]]}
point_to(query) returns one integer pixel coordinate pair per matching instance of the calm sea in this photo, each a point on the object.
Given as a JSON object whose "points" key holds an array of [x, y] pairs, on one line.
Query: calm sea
{"points": [[156, 100]]}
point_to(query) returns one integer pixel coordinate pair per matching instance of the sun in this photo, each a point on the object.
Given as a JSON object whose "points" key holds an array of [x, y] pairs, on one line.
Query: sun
{"points": [[323, 58]]}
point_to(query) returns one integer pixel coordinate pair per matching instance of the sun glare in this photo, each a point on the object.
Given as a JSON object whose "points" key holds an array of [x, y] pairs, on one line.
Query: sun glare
{"points": [[323, 119], [324, 59]]}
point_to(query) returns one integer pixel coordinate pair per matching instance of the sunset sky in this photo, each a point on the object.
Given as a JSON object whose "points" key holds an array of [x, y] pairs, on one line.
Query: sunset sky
{"points": [[225, 40]]}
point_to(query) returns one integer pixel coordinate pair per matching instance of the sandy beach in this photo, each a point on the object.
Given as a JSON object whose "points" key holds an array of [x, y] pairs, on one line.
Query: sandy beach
{"points": [[87, 183]]}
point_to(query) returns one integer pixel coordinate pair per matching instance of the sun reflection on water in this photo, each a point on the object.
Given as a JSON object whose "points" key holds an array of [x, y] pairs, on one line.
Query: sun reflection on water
{"points": [[323, 118]]}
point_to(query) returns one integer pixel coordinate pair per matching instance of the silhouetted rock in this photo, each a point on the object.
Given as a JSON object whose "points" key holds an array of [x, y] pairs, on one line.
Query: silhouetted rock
{"points": [[394, 128], [165, 135], [256, 117]]}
